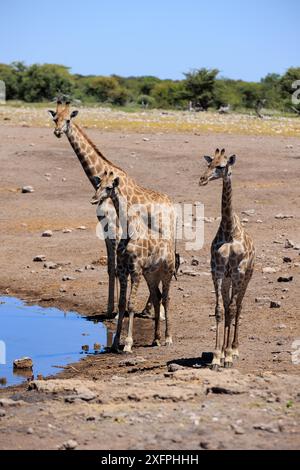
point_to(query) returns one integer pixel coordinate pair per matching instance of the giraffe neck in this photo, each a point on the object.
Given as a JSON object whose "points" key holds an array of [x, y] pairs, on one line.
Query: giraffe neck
{"points": [[227, 222], [91, 159]]}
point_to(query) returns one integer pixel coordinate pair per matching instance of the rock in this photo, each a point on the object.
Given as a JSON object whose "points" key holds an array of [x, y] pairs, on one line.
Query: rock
{"points": [[237, 429], [47, 233], [281, 326], [67, 230], [287, 259], [285, 278], [27, 189], [50, 265], [81, 227], [245, 221], [23, 363], [195, 262], [132, 362], [68, 278], [275, 304], [259, 221], [289, 243], [249, 212], [2, 413], [283, 216], [269, 270], [89, 267], [145, 139], [265, 427], [262, 300], [9, 402], [30, 431], [174, 367], [39, 258], [71, 444], [54, 386], [62, 289], [79, 270]]}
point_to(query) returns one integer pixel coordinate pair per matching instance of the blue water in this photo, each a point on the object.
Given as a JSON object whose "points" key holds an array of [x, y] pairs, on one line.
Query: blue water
{"points": [[49, 336]]}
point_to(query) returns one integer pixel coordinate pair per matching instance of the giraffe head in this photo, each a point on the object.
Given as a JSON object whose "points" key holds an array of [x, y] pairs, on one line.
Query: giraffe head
{"points": [[219, 166], [62, 116], [106, 187]]}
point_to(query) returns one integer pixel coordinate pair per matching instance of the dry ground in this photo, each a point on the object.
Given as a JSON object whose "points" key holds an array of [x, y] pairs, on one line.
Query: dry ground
{"points": [[140, 404]]}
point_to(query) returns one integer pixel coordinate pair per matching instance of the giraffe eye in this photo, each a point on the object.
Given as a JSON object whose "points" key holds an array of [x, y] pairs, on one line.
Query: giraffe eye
{"points": [[220, 168]]}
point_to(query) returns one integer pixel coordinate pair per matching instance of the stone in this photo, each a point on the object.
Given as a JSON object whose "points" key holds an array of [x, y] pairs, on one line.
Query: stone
{"points": [[173, 367], [263, 300], [71, 444], [39, 258], [2, 413], [68, 278], [269, 270], [265, 427], [287, 259], [9, 402], [245, 221], [50, 265], [289, 243], [47, 233], [237, 429], [285, 278], [275, 304], [89, 267], [67, 230], [145, 139], [81, 227], [195, 262], [27, 189], [30, 431], [283, 216], [249, 212], [23, 363]]}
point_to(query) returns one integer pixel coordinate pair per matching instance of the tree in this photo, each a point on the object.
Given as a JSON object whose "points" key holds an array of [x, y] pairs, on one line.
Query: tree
{"points": [[43, 82], [199, 86], [10, 77], [289, 88], [168, 94]]}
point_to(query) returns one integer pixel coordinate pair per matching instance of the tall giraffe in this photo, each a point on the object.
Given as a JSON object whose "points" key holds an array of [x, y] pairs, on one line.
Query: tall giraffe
{"points": [[93, 163], [232, 261], [147, 246]]}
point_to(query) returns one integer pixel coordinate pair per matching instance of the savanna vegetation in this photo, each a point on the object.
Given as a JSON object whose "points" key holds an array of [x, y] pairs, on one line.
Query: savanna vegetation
{"points": [[200, 89]]}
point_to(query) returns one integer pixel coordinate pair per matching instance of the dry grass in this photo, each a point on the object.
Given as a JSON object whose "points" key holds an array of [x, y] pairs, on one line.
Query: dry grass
{"points": [[155, 121]]}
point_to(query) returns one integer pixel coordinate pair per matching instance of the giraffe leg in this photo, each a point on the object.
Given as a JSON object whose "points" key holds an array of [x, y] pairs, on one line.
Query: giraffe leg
{"points": [[165, 302], [111, 269], [226, 302], [216, 362], [237, 281], [122, 308], [241, 294], [153, 287], [135, 282]]}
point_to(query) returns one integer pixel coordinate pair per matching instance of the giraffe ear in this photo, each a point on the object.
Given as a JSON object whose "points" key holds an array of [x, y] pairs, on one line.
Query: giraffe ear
{"points": [[74, 114], [231, 160], [97, 181], [116, 182], [51, 113], [208, 159]]}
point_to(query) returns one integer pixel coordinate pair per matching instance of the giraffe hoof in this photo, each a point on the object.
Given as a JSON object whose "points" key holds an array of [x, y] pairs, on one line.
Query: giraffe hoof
{"points": [[222, 360], [215, 367], [235, 357], [169, 341], [228, 365], [156, 342], [127, 349]]}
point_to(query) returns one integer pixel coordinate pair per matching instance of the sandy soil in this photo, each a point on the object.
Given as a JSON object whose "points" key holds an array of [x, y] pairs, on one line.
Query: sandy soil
{"points": [[145, 402]]}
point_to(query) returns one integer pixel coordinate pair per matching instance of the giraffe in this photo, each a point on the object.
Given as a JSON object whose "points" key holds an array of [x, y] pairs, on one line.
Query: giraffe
{"points": [[147, 247], [232, 262], [93, 163]]}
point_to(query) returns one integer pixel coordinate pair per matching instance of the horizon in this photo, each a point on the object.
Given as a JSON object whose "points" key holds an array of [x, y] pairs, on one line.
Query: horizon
{"points": [[243, 41]]}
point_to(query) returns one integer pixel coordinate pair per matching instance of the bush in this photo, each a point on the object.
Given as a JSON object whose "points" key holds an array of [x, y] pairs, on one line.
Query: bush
{"points": [[199, 87]]}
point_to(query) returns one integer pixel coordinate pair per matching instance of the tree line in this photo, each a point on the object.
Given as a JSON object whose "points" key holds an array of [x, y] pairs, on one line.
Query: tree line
{"points": [[200, 89]]}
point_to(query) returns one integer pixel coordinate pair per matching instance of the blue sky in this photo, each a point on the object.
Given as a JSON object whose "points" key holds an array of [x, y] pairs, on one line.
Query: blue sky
{"points": [[242, 38]]}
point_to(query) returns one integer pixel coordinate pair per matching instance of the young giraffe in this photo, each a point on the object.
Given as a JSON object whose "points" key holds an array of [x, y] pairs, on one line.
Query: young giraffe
{"points": [[146, 248], [232, 261], [93, 163]]}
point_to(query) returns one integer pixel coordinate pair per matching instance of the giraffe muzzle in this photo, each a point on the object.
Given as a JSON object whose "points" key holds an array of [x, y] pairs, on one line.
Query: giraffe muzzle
{"points": [[58, 133]]}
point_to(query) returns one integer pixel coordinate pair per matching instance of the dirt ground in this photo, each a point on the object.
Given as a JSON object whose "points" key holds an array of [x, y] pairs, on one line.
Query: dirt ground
{"points": [[143, 401]]}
